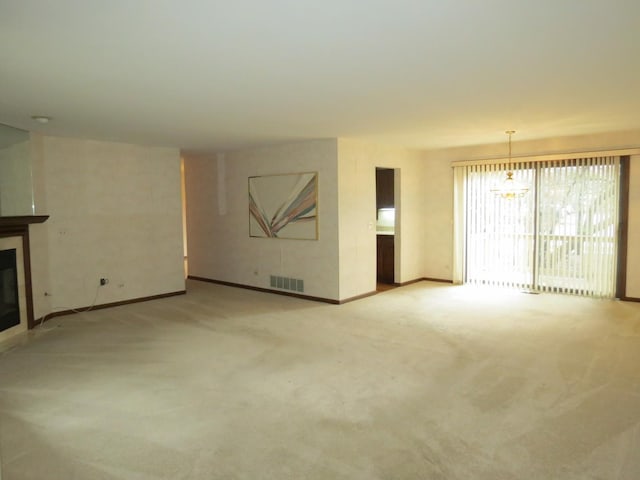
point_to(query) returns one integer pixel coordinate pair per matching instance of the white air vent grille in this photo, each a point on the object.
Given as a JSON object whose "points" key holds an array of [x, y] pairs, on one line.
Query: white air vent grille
{"points": [[286, 283]]}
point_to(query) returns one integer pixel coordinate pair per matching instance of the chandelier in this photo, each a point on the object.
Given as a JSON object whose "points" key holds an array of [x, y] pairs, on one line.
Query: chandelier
{"points": [[510, 188]]}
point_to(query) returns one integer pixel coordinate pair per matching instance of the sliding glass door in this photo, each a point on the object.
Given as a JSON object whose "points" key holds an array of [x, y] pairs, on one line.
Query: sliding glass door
{"points": [[560, 237], [578, 226]]}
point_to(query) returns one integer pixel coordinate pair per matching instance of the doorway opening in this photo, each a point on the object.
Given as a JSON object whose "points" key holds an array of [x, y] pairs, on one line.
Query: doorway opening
{"points": [[385, 228]]}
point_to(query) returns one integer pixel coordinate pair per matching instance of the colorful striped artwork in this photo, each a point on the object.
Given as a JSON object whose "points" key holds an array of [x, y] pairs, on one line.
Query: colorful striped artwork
{"points": [[284, 206]]}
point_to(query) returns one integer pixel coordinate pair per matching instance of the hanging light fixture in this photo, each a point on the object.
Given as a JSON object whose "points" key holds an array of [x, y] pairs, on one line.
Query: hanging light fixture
{"points": [[510, 188]]}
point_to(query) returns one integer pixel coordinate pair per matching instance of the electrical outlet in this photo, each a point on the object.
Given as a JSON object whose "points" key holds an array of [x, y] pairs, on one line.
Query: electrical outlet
{"points": [[104, 281]]}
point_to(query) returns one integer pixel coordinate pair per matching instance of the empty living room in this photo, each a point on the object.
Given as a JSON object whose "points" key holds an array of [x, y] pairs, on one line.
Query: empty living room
{"points": [[342, 240]]}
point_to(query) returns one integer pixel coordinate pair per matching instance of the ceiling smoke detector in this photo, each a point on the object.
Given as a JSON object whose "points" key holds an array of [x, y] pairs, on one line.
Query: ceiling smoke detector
{"points": [[42, 119]]}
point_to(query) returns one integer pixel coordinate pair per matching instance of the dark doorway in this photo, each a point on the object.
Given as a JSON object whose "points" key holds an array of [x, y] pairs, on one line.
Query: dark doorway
{"points": [[385, 227]]}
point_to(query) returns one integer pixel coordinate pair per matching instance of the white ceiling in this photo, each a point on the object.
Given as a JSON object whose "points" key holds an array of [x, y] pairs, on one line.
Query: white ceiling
{"points": [[215, 75]]}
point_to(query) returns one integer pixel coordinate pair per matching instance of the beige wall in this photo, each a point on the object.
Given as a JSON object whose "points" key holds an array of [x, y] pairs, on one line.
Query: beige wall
{"points": [[439, 192], [115, 212], [603, 141], [342, 263], [219, 246], [357, 162], [438, 217]]}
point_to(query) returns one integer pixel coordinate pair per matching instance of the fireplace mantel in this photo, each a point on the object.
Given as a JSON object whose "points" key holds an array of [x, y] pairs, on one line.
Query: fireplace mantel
{"points": [[18, 226], [18, 220]]}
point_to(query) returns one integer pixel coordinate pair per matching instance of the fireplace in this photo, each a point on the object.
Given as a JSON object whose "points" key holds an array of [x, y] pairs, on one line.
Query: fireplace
{"points": [[16, 299], [9, 305]]}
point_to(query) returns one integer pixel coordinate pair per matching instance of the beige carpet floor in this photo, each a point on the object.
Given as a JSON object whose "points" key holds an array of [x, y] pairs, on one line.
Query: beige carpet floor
{"points": [[427, 381]]}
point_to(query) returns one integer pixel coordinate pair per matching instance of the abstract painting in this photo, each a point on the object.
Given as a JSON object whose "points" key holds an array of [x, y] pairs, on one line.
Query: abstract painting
{"points": [[284, 206]]}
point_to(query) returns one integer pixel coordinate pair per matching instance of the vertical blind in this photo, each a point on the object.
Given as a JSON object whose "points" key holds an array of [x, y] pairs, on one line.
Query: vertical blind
{"points": [[559, 237]]}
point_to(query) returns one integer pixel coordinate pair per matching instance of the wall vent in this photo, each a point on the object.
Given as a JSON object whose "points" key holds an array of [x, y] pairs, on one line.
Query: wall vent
{"points": [[286, 283]]}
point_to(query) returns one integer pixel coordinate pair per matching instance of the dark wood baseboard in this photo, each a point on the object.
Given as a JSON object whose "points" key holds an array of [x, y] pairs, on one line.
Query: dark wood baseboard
{"points": [[108, 305], [423, 279], [630, 299], [439, 280], [309, 297], [265, 290], [357, 297]]}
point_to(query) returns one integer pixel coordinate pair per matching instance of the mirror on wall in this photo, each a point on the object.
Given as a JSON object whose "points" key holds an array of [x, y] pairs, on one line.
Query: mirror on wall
{"points": [[16, 186]]}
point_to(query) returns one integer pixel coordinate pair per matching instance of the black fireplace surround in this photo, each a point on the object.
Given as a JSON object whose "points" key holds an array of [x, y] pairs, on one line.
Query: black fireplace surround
{"points": [[9, 307], [17, 226]]}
